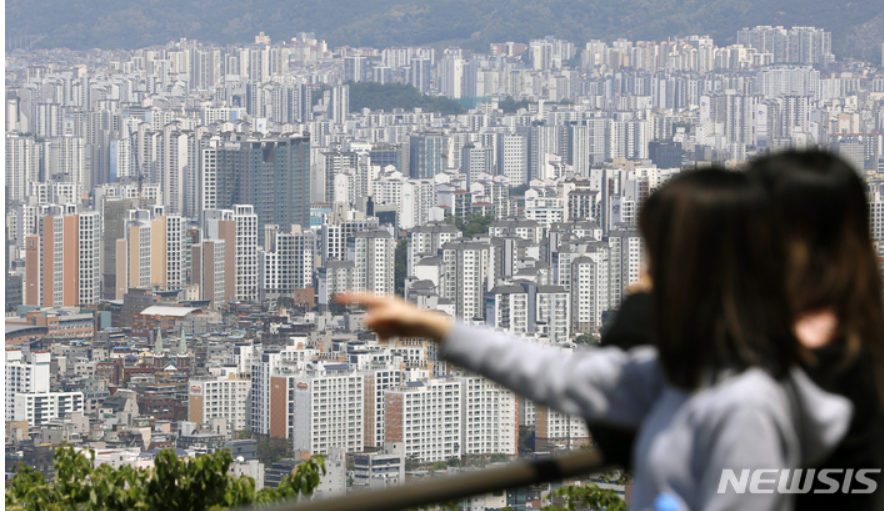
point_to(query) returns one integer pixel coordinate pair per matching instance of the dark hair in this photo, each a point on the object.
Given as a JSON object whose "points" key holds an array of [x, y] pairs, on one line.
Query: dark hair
{"points": [[821, 214], [718, 301]]}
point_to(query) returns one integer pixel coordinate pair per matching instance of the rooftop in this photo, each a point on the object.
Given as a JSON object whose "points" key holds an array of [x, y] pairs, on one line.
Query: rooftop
{"points": [[163, 310]]}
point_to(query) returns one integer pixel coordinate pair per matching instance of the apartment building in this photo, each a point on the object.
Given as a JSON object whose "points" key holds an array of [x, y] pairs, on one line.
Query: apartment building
{"points": [[38, 408], [25, 373], [427, 417], [490, 417], [62, 265], [556, 430], [224, 397], [379, 377], [373, 253], [320, 409]]}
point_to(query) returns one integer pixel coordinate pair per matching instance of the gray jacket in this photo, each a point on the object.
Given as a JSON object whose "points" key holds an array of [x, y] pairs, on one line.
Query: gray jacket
{"points": [[686, 439]]}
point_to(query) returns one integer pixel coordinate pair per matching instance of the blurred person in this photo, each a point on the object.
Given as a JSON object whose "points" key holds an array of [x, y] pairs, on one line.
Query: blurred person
{"points": [[834, 288], [833, 284], [720, 389]]}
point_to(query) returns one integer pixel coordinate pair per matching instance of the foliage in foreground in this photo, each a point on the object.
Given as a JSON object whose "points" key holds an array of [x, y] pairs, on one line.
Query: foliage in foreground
{"points": [[172, 485], [591, 496]]}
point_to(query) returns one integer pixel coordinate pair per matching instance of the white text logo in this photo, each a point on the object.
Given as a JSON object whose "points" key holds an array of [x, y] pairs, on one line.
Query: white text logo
{"points": [[831, 480]]}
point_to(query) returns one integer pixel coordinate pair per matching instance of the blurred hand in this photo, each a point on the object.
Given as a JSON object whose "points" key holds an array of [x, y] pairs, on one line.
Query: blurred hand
{"points": [[394, 317], [816, 329]]}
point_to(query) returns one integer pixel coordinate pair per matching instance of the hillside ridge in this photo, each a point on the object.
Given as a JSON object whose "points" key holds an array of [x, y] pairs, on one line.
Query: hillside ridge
{"points": [[473, 24]]}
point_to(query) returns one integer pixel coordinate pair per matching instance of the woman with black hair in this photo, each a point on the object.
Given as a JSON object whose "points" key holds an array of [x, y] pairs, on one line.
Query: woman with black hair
{"points": [[720, 392], [833, 284], [819, 213]]}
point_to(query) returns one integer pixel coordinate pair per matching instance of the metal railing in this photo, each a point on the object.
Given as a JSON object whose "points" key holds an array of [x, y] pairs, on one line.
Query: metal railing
{"points": [[457, 487]]}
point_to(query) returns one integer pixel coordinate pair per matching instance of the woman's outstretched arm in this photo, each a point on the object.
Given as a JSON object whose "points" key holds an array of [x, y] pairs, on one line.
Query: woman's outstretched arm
{"points": [[607, 385]]}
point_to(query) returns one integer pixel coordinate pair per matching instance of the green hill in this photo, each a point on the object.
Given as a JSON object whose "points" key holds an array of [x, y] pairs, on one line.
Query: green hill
{"points": [[83, 24]]}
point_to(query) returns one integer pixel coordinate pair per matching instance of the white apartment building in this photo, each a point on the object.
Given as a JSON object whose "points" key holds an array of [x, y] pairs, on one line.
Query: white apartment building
{"points": [[341, 224], [387, 189], [174, 168], [544, 141], [224, 397], [25, 373], [333, 278], [512, 158], [490, 417], [418, 196], [246, 252], [625, 260], [876, 210], [287, 261], [324, 408], [373, 254], [89, 258], [66, 161], [174, 249], [467, 273], [426, 240], [380, 469], [545, 210], [208, 182], [38, 408], [561, 261], [263, 365], [506, 308], [22, 164], [527, 412], [590, 294], [521, 228], [553, 307], [427, 417], [558, 429]]}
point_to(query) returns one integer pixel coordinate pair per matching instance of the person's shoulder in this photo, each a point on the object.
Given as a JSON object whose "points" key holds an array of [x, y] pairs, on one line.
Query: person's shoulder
{"points": [[753, 391]]}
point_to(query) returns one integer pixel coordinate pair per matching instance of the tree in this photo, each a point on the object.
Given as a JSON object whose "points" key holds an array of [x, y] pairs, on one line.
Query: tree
{"points": [[285, 301], [453, 461], [471, 224], [412, 462], [272, 450], [317, 93], [518, 191], [172, 485], [401, 266], [334, 307], [511, 106], [588, 496], [499, 457], [244, 434], [576, 60], [586, 340], [438, 465], [526, 441], [377, 96]]}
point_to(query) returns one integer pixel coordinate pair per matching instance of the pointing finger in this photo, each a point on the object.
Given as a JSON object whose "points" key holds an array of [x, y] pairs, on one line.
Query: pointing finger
{"points": [[361, 298]]}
